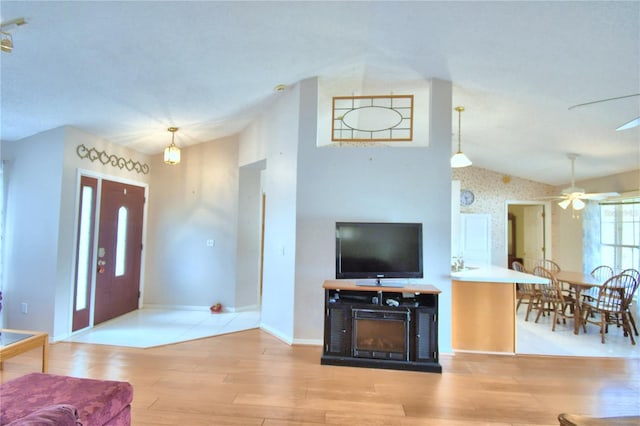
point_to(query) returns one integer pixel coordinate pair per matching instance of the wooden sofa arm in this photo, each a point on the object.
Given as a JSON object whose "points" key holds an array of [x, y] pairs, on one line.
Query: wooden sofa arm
{"points": [[579, 420]]}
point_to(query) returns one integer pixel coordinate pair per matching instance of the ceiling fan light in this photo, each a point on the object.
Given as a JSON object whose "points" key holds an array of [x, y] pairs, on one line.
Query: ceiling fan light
{"points": [[564, 203], [578, 204], [460, 160]]}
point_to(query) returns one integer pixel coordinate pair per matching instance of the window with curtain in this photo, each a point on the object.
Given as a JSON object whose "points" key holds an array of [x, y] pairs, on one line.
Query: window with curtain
{"points": [[620, 234]]}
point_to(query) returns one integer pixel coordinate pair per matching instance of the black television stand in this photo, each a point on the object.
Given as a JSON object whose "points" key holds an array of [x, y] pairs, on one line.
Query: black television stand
{"points": [[381, 327]]}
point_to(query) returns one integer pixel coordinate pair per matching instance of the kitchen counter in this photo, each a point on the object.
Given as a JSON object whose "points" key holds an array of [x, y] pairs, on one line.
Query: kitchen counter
{"points": [[495, 274], [484, 308]]}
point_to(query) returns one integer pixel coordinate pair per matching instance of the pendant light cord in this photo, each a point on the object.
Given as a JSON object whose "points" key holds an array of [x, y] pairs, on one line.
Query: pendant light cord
{"points": [[459, 109]]}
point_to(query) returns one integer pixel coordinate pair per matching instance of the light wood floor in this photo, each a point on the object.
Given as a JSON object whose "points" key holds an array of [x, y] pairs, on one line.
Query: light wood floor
{"points": [[252, 378]]}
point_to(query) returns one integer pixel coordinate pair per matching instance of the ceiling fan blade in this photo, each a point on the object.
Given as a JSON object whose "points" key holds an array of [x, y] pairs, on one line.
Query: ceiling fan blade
{"points": [[553, 197], [630, 125], [604, 100], [599, 195]]}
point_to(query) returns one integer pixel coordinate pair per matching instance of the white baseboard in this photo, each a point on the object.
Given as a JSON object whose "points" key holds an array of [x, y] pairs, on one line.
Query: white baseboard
{"points": [[286, 339], [175, 307], [249, 308], [308, 342], [200, 308]]}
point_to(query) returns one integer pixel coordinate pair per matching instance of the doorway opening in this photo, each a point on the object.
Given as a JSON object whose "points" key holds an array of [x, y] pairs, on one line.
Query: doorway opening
{"points": [[251, 229], [528, 228]]}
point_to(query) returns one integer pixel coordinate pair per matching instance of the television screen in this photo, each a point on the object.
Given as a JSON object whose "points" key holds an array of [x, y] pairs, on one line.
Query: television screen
{"points": [[378, 250]]}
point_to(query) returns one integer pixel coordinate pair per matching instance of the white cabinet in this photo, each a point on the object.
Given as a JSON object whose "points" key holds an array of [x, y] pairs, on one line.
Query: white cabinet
{"points": [[475, 238]]}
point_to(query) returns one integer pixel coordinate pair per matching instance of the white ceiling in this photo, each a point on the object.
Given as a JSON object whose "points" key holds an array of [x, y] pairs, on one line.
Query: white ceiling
{"points": [[126, 71]]}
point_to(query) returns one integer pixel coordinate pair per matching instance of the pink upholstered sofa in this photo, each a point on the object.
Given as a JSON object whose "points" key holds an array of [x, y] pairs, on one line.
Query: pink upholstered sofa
{"points": [[48, 399]]}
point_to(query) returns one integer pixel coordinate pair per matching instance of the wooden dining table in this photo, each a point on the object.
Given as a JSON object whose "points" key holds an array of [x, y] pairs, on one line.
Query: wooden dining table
{"points": [[578, 281]]}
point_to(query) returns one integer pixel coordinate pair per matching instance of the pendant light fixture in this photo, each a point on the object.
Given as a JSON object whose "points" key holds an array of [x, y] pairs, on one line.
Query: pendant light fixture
{"points": [[6, 42], [172, 152], [6, 39], [459, 159]]}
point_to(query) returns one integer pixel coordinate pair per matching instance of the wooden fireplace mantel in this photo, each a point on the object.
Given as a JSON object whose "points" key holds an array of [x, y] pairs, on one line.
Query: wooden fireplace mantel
{"points": [[412, 308]]}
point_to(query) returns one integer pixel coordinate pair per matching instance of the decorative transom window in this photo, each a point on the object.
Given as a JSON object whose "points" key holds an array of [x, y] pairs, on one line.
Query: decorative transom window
{"points": [[372, 118]]}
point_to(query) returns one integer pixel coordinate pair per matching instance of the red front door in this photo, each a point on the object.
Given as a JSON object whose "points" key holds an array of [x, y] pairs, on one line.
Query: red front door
{"points": [[119, 250]]}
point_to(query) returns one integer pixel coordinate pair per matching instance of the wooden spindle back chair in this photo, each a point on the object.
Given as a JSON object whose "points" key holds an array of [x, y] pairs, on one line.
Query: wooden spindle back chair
{"points": [[609, 307]]}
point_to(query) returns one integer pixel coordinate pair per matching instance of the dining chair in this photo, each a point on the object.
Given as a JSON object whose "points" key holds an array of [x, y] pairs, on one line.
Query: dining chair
{"points": [[600, 273], [518, 266], [553, 299], [526, 293], [629, 299], [609, 307], [553, 267], [549, 265]]}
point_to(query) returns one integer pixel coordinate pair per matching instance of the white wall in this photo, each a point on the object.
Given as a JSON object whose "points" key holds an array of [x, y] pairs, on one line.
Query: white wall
{"points": [[190, 203]]}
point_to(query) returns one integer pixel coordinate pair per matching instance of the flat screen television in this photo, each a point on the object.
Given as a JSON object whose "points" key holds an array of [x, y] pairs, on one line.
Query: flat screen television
{"points": [[378, 250]]}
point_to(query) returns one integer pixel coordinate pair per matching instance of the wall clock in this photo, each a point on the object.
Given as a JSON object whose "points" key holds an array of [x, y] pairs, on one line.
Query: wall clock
{"points": [[466, 197]]}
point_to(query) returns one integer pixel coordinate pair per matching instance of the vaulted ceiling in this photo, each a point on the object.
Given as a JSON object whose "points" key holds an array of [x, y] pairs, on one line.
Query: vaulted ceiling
{"points": [[126, 71]]}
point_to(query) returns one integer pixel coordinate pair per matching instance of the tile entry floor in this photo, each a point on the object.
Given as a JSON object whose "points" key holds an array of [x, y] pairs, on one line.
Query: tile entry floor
{"points": [[149, 327]]}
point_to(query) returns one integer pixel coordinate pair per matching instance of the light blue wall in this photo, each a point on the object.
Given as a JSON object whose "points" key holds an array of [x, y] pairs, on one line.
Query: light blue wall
{"points": [[274, 137], [41, 174], [369, 184], [33, 174], [190, 203], [309, 188]]}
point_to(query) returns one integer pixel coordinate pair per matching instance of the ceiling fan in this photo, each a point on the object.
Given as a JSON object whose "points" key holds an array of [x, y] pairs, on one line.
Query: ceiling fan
{"points": [[575, 196], [629, 125]]}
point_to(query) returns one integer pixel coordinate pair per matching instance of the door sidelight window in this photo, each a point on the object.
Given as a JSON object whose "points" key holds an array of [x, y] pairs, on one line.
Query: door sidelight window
{"points": [[121, 241]]}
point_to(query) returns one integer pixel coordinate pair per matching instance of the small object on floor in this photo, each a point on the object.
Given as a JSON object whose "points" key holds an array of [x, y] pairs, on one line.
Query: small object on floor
{"points": [[579, 420], [217, 308]]}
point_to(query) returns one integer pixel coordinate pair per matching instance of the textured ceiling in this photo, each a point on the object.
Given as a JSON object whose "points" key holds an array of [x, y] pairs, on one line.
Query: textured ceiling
{"points": [[126, 71]]}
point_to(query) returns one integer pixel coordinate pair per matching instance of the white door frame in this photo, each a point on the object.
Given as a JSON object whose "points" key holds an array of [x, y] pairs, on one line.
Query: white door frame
{"points": [[100, 177], [547, 224]]}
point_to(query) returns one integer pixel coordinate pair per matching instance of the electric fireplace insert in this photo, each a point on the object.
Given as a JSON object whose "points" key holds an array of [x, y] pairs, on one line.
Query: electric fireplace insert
{"points": [[380, 334]]}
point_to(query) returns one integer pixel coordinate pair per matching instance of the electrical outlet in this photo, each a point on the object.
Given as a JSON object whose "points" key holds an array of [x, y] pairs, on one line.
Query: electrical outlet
{"points": [[24, 307], [211, 243]]}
